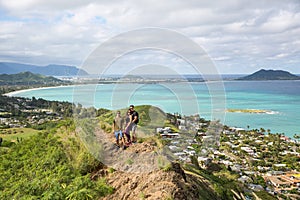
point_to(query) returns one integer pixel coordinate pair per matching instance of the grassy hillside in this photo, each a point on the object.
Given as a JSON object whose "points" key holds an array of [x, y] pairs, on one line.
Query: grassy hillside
{"points": [[27, 78], [17, 134], [49, 165]]}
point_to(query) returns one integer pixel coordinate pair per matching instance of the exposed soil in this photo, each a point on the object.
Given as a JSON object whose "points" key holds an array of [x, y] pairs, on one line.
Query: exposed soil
{"points": [[139, 174], [137, 158]]}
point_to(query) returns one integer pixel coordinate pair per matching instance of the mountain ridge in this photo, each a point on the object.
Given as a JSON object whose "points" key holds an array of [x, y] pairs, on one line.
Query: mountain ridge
{"points": [[48, 70]]}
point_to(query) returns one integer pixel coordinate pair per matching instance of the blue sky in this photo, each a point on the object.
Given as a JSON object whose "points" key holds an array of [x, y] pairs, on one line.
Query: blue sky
{"points": [[239, 36]]}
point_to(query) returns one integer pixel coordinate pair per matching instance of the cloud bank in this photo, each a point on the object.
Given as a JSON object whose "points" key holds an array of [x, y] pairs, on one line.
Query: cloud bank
{"points": [[240, 36]]}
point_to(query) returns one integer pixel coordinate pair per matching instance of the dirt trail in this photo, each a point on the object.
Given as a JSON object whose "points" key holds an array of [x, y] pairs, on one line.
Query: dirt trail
{"points": [[139, 175], [152, 185], [137, 158]]}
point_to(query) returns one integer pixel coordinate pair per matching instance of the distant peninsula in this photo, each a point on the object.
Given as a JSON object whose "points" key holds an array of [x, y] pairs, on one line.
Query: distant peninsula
{"points": [[270, 75], [28, 78], [49, 70]]}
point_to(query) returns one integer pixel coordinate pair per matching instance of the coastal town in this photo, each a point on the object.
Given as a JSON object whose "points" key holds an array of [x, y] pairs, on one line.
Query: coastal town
{"points": [[256, 158]]}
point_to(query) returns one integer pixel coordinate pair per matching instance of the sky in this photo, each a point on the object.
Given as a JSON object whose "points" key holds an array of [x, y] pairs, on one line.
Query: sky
{"points": [[239, 36]]}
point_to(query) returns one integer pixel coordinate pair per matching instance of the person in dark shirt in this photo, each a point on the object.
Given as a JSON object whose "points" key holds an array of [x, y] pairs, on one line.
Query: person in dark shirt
{"points": [[134, 122]]}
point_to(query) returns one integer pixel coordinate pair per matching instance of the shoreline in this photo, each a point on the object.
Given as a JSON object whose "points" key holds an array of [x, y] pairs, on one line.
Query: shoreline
{"points": [[13, 93], [10, 94], [232, 120]]}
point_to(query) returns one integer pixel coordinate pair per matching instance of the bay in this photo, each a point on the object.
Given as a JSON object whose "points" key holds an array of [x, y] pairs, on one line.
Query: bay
{"points": [[210, 99]]}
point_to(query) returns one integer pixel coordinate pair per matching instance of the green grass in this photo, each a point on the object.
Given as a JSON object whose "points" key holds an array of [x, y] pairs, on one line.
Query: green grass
{"points": [[226, 174], [42, 167], [111, 170], [129, 161], [12, 134], [221, 184], [265, 195], [150, 116]]}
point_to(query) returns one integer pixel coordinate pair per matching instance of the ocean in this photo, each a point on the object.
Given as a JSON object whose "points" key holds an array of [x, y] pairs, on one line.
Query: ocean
{"points": [[279, 99]]}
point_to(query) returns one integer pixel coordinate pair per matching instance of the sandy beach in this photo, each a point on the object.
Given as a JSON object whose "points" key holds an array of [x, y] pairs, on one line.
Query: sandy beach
{"points": [[255, 111], [14, 93]]}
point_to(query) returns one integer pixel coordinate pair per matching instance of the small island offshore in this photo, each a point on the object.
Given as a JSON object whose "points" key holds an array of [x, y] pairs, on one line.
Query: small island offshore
{"points": [[270, 75], [209, 160]]}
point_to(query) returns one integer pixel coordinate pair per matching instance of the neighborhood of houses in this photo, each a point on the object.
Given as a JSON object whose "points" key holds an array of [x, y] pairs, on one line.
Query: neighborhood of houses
{"points": [[17, 112], [249, 154], [38, 116]]}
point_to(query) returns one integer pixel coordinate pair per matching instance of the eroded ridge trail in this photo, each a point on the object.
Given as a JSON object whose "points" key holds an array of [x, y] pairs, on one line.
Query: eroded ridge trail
{"points": [[137, 158], [140, 174]]}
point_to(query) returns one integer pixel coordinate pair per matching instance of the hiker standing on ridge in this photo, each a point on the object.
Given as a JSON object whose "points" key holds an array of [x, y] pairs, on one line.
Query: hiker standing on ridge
{"points": [[128, 127], [117, 128], [134, 122]]}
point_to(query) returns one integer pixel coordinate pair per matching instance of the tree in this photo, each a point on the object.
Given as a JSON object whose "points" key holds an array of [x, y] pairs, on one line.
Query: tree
{"points": [[54, 107], [296, 136]]}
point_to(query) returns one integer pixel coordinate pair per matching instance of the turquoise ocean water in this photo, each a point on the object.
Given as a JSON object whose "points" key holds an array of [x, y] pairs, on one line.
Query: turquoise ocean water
{"points": [[280, 98]]}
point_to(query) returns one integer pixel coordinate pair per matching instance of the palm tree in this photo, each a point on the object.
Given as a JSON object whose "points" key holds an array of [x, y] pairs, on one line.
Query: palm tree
{"points": [[262, 130]]}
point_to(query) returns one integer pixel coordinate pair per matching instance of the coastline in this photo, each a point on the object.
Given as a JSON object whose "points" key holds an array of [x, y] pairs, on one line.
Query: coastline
{"points": [[238, 114], [11, 94]]}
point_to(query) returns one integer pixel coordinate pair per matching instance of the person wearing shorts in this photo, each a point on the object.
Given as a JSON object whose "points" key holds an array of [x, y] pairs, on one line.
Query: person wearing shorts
{"points": [[134, 122], [117, 129], [128, 127]]}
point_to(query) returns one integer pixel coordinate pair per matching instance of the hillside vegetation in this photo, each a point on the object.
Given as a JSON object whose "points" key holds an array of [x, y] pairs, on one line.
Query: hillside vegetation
{"points": [[49, 165], [28, 78]]}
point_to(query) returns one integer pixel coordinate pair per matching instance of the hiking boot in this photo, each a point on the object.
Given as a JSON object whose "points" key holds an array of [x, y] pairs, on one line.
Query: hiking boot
{"points": [[128, 143]]}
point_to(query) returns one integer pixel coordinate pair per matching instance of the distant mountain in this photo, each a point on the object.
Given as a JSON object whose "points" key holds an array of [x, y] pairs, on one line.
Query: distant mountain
{"points": [[28, 78], [49, 70], [270, 75]]}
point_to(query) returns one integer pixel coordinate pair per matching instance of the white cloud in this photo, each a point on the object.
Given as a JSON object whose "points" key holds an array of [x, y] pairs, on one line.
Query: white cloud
{"points": [[234, 33]]}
